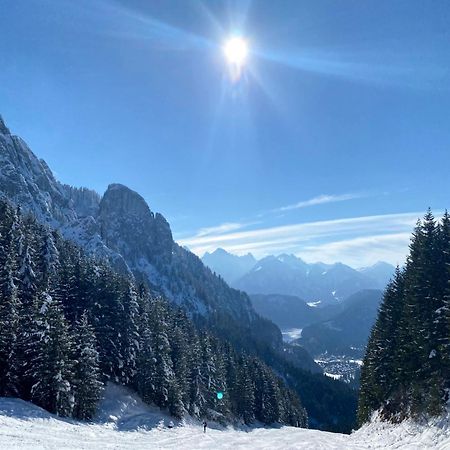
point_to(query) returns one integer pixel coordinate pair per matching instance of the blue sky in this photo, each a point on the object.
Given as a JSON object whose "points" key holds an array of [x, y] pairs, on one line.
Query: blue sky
{"points": [[333, 141]]}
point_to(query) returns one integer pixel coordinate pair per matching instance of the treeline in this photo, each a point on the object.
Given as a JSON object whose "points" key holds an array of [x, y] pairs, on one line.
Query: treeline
{"points": [[406, 370], [69, 323]]}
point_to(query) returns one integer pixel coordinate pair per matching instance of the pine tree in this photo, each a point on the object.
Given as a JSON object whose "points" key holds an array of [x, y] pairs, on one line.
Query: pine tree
{"points": [[221, 405], [87, 385], [441, 315], [380, 373], [179, 355], [267, 396], [421, 303], [407, 364], [47, 256], [164, 375], [129, 333], [197, 401], [106, 312], [52, 368], [145, 376], [27, 291], [9, 305], [208, 373], [145, 364], [245, 391]]}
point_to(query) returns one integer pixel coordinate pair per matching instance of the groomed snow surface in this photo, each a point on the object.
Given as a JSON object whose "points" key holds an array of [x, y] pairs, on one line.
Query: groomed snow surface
{"points": [[125, 422]]}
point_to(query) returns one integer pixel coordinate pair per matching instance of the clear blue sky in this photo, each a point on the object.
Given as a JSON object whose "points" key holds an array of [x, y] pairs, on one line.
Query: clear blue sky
{"points": [[342, 112]]}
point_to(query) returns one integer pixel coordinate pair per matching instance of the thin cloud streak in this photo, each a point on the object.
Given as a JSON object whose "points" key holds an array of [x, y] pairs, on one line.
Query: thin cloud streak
{"points": [[320, 200], [361, 251], [234, 226], [321, 240], [389, 222], [219, 229]]}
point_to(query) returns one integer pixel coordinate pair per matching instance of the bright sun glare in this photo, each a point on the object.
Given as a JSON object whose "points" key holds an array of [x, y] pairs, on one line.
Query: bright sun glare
{"points": [[236, 51]]}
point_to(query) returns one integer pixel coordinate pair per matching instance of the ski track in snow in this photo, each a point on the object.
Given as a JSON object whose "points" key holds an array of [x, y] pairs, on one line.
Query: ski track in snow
{"points": [[125, 422], [55, 434]]}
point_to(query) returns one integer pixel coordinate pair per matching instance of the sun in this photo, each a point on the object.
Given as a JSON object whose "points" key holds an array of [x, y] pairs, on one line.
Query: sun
{"points": [[236, 51]]}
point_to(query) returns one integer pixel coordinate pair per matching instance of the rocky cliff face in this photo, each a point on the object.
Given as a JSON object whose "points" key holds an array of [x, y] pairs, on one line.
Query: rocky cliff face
{"points": [[119, 226], [129, 227], [29, 181]]}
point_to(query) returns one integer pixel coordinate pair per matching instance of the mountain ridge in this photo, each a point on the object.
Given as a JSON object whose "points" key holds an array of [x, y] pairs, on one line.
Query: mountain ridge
{"points": [[118, 226], [230, 267], [289, 275]]}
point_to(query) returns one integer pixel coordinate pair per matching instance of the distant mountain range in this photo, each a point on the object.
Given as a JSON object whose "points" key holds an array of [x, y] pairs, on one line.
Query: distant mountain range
{"points": [[289, 275], [230, 267]]}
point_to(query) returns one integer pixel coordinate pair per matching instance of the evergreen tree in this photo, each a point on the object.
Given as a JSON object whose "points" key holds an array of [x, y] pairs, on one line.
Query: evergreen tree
{"points": [[179, 352], [441, 314], [27, 292], [145, 364], [9, 305], [407, 364], [129, 333], [380, 372], [69, 322], [164, 375], [245, 392], [87, 385], [106, 312], [197, 400], [52, 367]]}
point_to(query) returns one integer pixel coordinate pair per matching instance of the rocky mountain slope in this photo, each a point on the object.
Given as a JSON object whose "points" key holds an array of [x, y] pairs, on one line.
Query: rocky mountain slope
{"points": [[119, 226]]}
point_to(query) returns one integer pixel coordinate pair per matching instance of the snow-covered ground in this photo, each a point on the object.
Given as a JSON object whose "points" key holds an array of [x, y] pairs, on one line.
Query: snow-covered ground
{"points": [[124, 422], [343, 367]]}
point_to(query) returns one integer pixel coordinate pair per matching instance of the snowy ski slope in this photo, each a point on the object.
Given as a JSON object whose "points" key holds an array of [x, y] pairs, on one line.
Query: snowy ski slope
{"points": [[124, 422]]}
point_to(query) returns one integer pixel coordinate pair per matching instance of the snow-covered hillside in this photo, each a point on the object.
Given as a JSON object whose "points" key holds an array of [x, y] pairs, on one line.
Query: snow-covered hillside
{"points": [[124, 421]]}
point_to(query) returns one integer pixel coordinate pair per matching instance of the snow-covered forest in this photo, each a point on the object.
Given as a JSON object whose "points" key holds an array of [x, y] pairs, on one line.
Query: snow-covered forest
{"points": [[406, 371], [69, 323]]}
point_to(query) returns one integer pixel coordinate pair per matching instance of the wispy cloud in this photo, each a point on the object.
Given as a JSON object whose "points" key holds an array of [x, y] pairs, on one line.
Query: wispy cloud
{"points": [[320, 200], [329, 240], [219, 229], [361, 251]]}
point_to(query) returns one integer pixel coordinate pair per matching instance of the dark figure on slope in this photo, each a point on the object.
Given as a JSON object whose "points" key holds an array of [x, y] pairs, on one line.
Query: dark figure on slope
{"points": [[204, 426]]}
